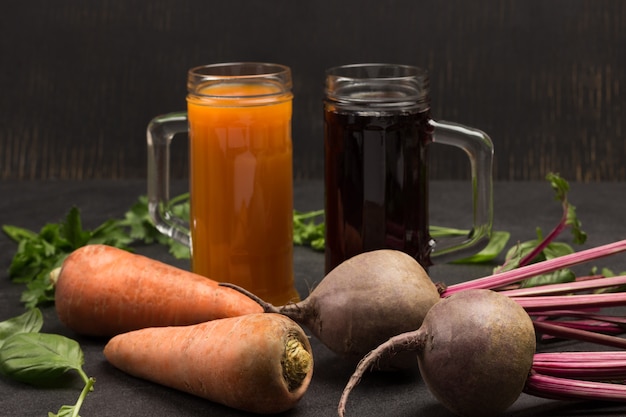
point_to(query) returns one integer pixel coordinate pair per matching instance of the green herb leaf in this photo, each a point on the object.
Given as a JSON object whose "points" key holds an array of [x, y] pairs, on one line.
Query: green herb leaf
{"points": [[561, 189], [557, 249], [319, 244], [29, 322], [139, 224], [546, 248], [557, 277], [72, 410], [112, 233], [442, 231], [552, 250], [575, 226], [72, 230], [309, 229], [65, 411], [38, 292], [18, 234], [141, 228], [39, 253], [36, 256], [39, 357], [496, 245]]}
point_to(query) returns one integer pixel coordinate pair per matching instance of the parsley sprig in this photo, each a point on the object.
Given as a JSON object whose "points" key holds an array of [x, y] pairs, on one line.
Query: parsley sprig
{"points": [[38, 253], [308, 229]]}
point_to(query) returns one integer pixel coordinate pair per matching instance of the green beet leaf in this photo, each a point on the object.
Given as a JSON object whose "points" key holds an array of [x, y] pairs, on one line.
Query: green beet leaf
{"points": [[557, 277], [497, 243]]}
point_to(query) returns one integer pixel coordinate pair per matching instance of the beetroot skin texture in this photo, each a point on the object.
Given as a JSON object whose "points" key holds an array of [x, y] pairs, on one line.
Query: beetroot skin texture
{"points": [[366, 300], [477, 352]]}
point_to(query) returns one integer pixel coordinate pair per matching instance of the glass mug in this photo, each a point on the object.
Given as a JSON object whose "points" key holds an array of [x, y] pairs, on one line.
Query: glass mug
{"points": [[377, 133], [240, 181]]}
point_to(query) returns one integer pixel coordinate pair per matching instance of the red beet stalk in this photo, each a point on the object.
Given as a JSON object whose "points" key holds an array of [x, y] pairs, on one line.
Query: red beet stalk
{"points": [[578, 376], [515, 275]]}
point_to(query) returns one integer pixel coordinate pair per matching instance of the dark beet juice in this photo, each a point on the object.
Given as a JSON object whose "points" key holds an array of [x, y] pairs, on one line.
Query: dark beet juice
{"points": [[377, 132], [376, 176]]}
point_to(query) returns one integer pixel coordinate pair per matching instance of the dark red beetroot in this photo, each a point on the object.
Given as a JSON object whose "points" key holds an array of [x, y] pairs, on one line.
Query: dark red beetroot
{"points": [[365, 301], [475, 350]]}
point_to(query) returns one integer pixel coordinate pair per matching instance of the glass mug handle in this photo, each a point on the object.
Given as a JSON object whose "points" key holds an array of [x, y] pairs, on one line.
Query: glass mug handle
{"points": [[160, 132], [479, 148]]}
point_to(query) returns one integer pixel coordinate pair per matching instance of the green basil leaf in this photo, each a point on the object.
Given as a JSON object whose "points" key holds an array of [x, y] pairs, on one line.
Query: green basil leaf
{"points": [[39, 357], [29, 322]]}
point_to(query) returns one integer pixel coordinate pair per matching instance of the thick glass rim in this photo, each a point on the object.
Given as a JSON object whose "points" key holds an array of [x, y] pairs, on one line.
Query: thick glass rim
{"points": [[378, 84], [200, 77], [376, 71]]}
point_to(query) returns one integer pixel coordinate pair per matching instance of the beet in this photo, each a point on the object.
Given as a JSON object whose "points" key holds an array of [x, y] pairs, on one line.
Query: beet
{"points": [[364, 301], [474, 349]]}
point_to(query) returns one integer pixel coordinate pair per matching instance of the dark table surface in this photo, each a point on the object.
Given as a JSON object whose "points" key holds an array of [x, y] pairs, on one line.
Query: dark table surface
{"points": [[520, 207]]}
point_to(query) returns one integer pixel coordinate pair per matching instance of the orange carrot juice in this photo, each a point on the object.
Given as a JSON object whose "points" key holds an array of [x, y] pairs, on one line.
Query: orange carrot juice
{"points": [[241, 188]]}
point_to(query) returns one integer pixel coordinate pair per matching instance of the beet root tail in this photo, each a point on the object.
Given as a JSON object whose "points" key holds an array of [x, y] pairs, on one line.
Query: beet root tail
{"points": [[410, 341]]}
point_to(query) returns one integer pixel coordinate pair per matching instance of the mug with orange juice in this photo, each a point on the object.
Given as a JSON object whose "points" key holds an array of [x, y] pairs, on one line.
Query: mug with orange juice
{"points": [[238, 121]]}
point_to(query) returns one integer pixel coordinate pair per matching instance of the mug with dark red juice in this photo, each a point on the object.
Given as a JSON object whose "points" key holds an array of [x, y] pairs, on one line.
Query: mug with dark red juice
{"points": [[377, 134]]}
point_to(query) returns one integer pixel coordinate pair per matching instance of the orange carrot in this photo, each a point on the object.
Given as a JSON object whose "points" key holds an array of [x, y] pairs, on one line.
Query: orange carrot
{"points": [[260, 363], [104, 291]]}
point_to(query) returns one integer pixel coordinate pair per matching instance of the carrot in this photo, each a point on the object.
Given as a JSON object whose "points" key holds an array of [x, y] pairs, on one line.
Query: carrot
{"points": [[259, 363], [104, 291]]}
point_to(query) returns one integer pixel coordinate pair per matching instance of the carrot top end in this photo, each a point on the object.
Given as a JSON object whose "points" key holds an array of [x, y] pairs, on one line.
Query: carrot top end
{"points": [[296, 363]]}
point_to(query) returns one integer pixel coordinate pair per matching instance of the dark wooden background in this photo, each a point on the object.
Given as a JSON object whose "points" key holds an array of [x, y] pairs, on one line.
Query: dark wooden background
{"points": [[80, 79]]}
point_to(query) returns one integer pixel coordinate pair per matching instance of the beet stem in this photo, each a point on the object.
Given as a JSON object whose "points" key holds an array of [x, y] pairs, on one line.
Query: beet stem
{"points": [[578, 334], [590, 325], [572, 389], [267, 307], [409, 341], [546, 241], [550, 302], [616, 320], [582, 365], [539, 268], [567, 287], [580, 356]]}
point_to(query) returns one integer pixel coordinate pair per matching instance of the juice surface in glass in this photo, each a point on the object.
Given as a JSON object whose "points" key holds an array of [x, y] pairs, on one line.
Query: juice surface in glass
{"points": [[241, 188]]}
